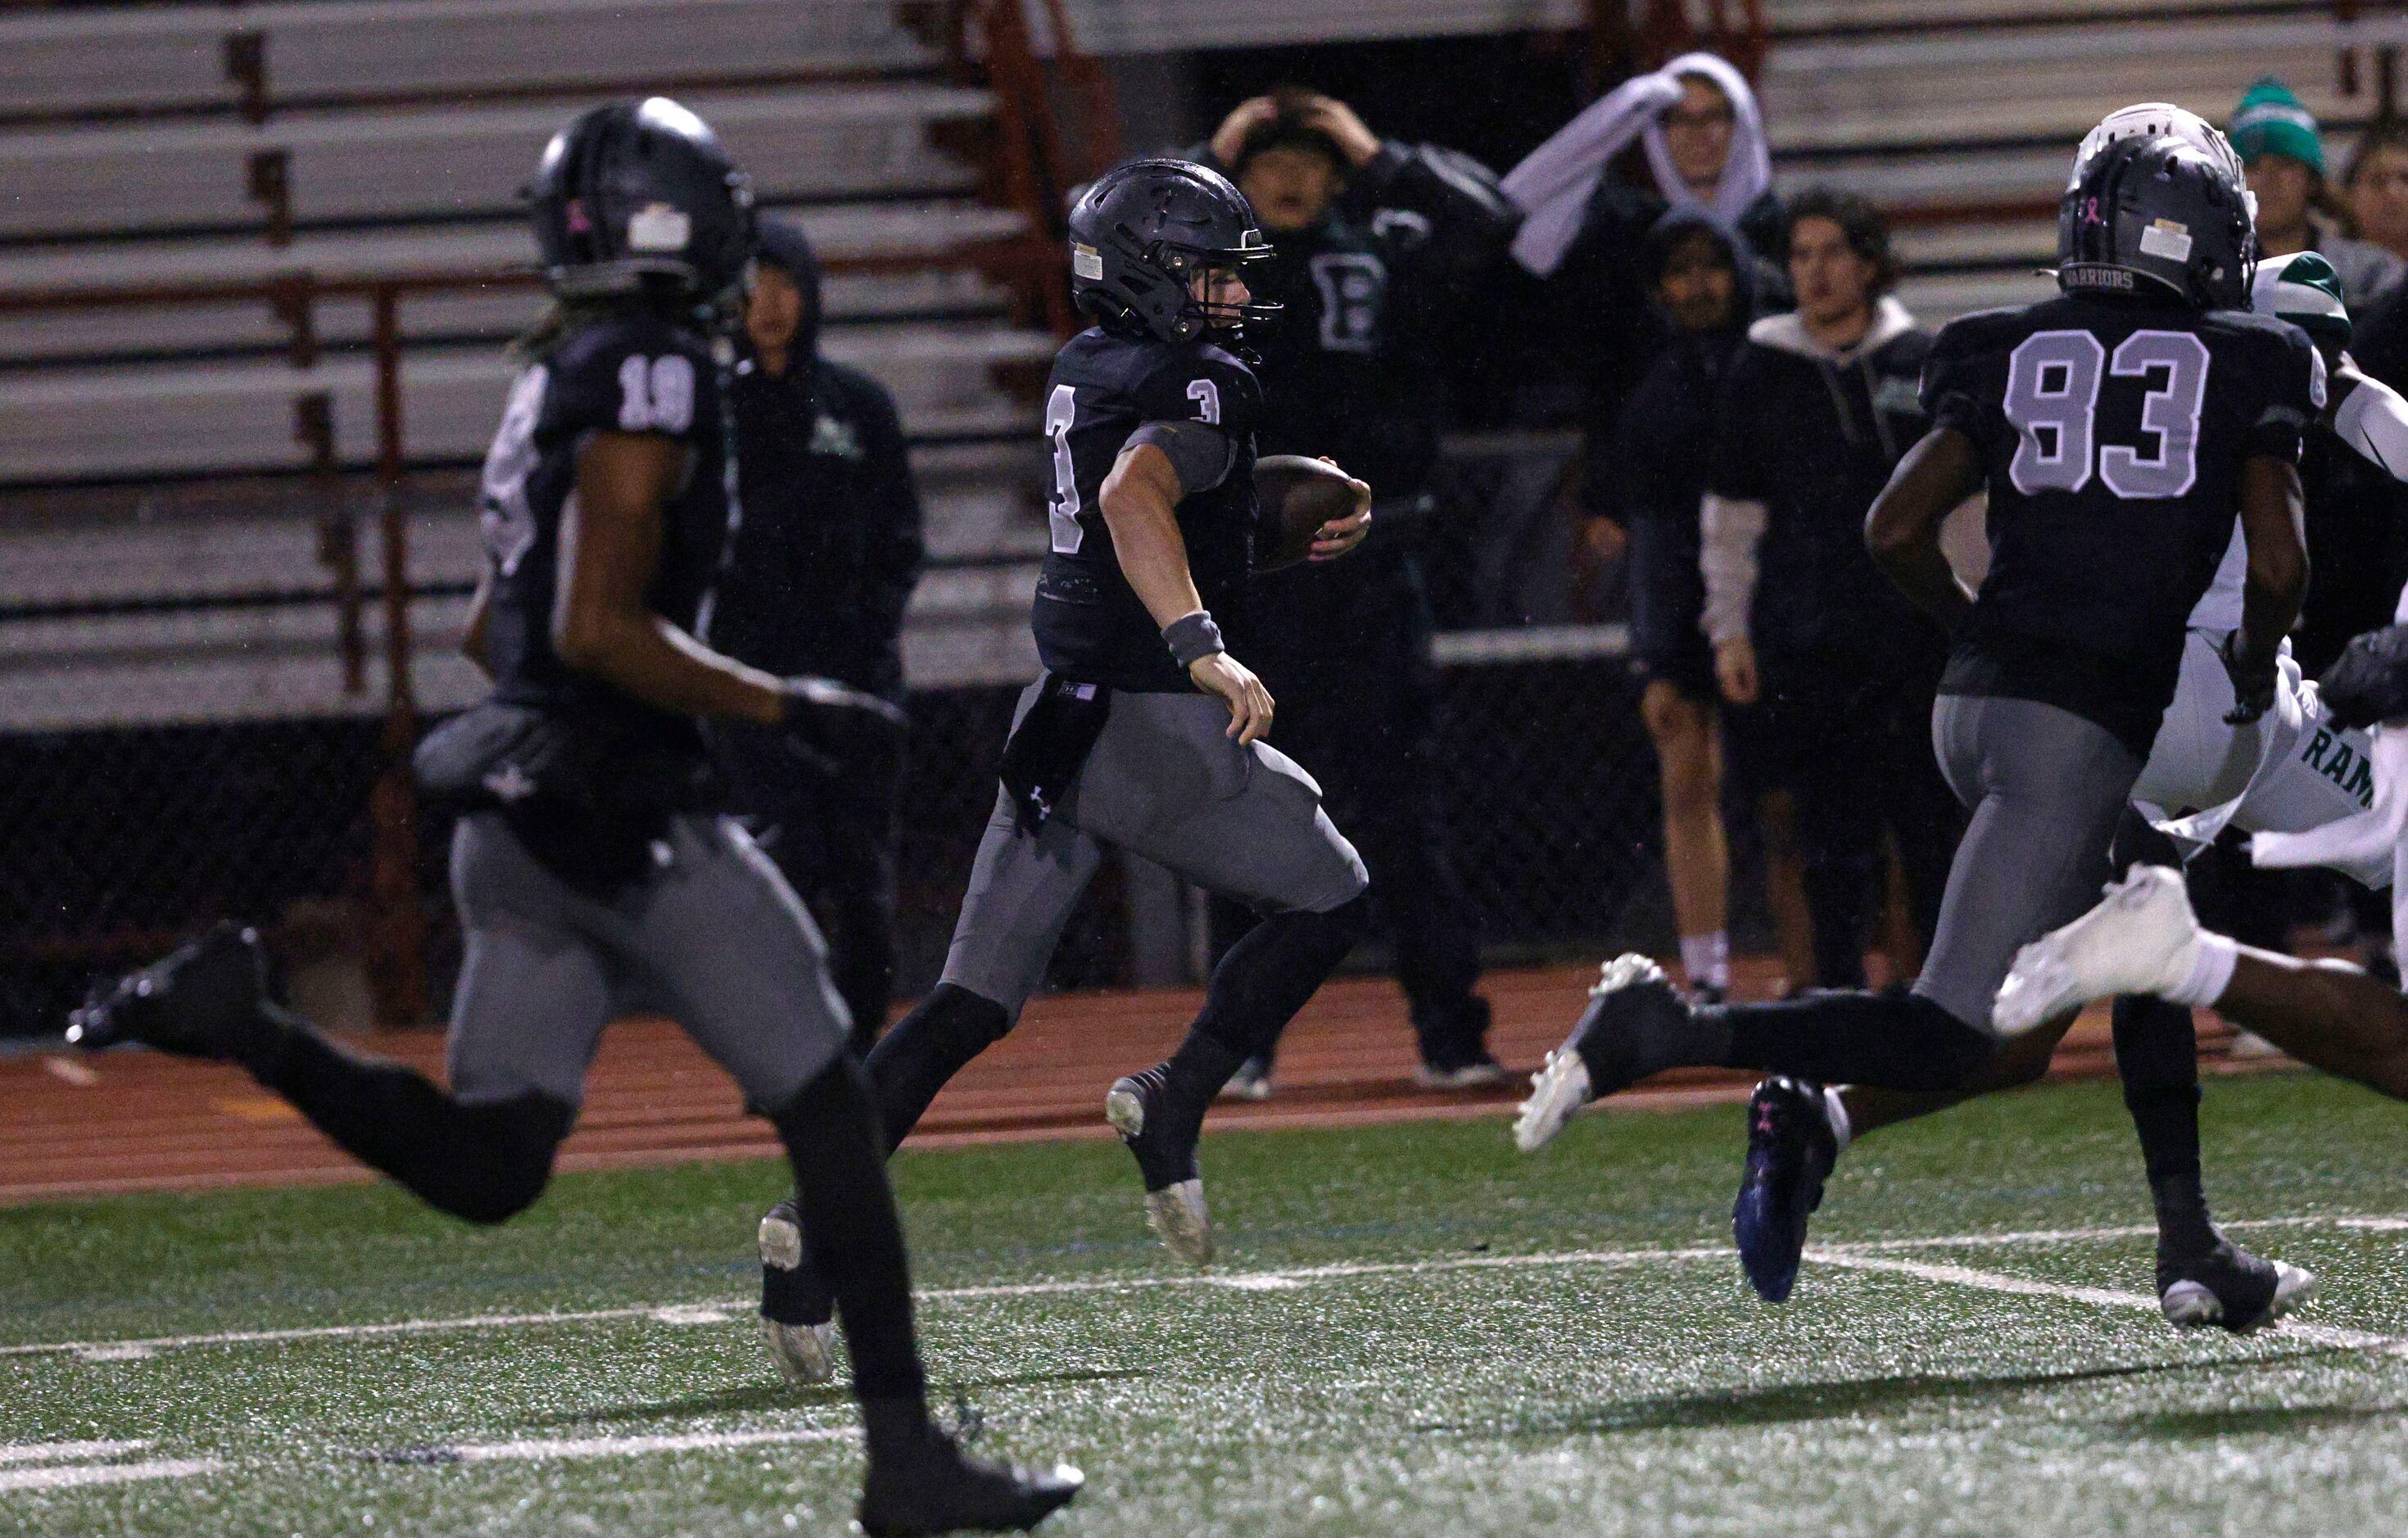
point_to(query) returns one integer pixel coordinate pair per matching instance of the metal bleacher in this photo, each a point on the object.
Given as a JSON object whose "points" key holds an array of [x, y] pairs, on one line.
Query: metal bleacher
{"points": [[1960, 115], [162, 467], [180, 146]]}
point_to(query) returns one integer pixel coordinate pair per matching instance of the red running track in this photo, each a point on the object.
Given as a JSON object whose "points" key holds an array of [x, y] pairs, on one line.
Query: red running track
{"points": [[76, 1125]]}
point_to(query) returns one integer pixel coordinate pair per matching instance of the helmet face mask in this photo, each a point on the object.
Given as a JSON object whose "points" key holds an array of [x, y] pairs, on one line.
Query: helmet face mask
{"points": [[1143, 237], [636, 197], [2156, 216]]}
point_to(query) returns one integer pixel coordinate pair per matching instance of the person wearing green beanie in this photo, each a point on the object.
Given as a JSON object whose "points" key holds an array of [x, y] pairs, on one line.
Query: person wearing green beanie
{"points": [[2278, 140]]}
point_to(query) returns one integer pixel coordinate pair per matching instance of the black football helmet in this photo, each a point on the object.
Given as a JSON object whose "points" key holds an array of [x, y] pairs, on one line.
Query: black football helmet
{"points": [[2156, 215], [1143, 232], [636, 192]]}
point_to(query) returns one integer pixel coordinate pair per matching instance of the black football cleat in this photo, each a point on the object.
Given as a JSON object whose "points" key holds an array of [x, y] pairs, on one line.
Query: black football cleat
{"points": [[2230, 1287], [1163, 1136], [209, 997], [798, 1310], [940, 1488], [1790, 1151]]}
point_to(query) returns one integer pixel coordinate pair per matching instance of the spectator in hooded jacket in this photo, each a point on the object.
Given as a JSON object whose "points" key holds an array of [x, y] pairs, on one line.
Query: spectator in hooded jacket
{"points": [[2280, 146], [1815, 412], [1369, 240], [820, 568], [1648, 483], [1705, 146]]}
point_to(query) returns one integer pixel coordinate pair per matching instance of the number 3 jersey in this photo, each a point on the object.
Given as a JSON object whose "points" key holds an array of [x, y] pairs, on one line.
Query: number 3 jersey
{"points": [[627, 371], [1090, 624], [2112, 433]]}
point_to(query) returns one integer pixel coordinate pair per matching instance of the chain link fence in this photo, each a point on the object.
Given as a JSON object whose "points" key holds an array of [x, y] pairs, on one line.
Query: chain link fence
{"points": [[117, 836], [121, 841]]}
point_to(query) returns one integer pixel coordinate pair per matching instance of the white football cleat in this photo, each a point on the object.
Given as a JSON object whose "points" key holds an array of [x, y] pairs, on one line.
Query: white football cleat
{"points": [[781, 1237], [1177, 1216], [806, 1354], [1632, 1016], [1557, 1091], [2143, 938], [2190, 1304], [1165, 1147]]}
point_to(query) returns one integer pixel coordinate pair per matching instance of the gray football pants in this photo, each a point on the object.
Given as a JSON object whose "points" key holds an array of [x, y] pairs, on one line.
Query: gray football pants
{"points": [[1164, 781], [715, 938], [2046, 789]]}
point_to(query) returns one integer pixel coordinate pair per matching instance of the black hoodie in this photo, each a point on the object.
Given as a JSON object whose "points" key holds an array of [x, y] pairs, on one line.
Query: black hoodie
{"points": [[827, 548], [1653, 464]]}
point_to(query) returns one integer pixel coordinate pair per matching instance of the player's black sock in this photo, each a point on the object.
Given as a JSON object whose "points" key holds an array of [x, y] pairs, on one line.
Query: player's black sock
{"points": [[483, 1163], [1886, 1041], [927, 1047], [1256, 990], [2157, 1054], [831, 1133]]}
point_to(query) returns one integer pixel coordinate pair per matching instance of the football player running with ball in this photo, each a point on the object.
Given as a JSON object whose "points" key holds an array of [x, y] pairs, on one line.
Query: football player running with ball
{"points": [[1144, 732], [2120, 429], [586, 862]]}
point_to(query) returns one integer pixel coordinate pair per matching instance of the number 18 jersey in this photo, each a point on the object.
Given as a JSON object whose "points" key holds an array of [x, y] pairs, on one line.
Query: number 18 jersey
{"points": [[2112, 433]]}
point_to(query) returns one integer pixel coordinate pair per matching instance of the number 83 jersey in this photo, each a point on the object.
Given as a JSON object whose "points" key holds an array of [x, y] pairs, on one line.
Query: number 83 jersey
{"points": [[2112, 433], [1090, 624]]}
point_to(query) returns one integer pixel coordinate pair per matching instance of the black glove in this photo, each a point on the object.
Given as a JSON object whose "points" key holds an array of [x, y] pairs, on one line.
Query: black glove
{"points": [[829, 725], [2367, 684], [2253, 682]]}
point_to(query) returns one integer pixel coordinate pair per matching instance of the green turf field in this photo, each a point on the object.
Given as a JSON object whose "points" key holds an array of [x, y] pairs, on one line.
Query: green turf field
{"points": [[1415, 1330]]}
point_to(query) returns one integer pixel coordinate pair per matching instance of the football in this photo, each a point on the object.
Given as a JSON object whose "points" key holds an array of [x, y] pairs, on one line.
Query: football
{"points": [[1298, 495]]}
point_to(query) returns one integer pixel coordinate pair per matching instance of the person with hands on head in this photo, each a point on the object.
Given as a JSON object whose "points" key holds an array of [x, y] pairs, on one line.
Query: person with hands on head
{"points": [[1703, 136], [587, 864], [1145, 732], [1374, 244]]}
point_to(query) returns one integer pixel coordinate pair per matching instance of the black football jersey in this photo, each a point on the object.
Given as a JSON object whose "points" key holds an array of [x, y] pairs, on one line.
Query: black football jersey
{"points": [[2112, 434], [630, 371], [1090, 624]]}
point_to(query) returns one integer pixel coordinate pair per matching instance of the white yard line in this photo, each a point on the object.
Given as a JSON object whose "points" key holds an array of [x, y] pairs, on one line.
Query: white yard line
{"points": [[539, 1450], [1991, 1281], [695, 1314], [103, 1473], [668, 1314], [60, 1452]]}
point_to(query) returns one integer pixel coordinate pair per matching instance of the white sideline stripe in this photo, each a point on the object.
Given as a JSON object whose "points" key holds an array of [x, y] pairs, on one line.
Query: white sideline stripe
{"points": [[59, 1452], [1991, 1281], [2080, 1236], [1254, 1281], [628, 1446], [1275, 1280], [121, 1350], [103, 1473]]}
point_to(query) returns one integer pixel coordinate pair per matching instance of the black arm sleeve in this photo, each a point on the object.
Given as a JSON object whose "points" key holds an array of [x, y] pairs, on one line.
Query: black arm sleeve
{"points": [[1199, 453]]}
